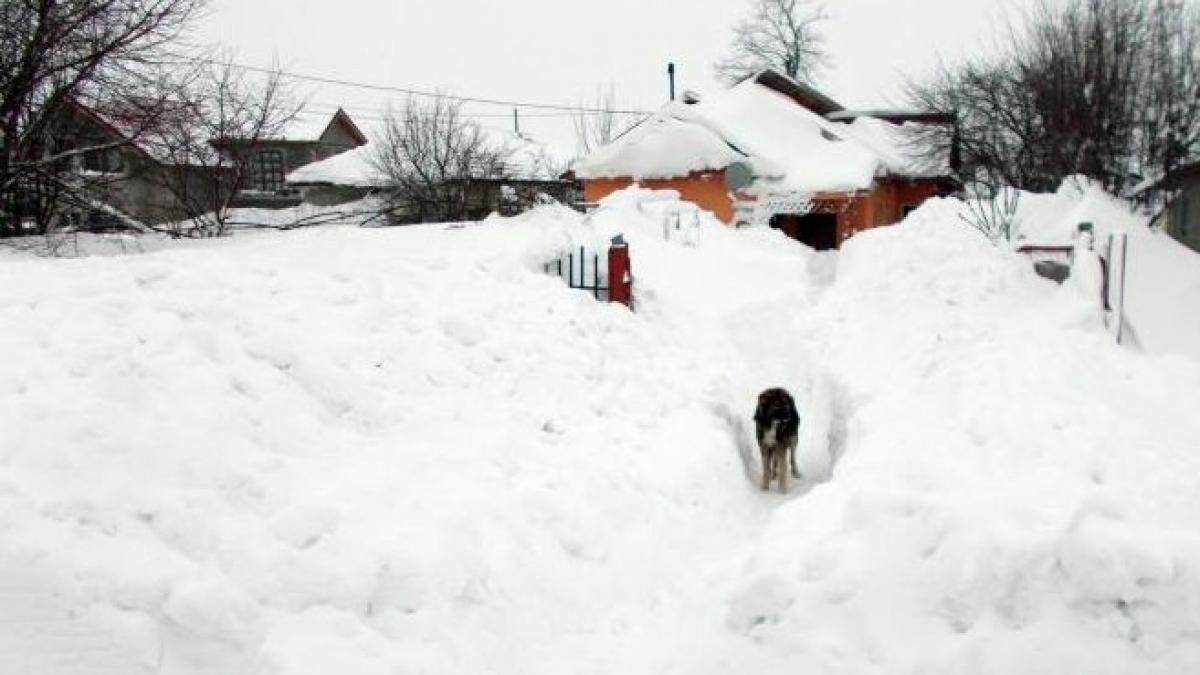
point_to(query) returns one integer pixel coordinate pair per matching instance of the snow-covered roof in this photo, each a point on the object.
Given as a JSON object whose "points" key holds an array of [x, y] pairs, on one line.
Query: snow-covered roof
{"points": [[529, 160], [787, 145], [155, 130], [661, 147], [352, 168]]}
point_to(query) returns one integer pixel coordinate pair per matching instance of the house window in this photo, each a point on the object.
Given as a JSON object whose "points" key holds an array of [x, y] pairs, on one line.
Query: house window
{"points": [[268, 171], [108, 160], [907, 209]]}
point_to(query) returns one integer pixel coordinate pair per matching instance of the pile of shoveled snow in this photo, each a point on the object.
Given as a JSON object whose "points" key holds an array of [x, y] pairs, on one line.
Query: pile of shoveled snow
{"points": [[410, 450], [347, 450], [1013, 493], [1163, 276]]}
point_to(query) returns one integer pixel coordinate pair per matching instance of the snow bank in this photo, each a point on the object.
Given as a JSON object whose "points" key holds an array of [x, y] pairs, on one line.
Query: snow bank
{"points": [[1163, 276], [409, 450], [1014, 494], [383, 450]]}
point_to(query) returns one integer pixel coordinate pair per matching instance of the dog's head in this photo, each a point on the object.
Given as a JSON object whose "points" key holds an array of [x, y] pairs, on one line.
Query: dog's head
{"points": [[774, 404]]}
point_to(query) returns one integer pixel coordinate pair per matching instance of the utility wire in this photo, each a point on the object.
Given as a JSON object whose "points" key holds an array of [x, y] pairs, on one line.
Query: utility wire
{"points": [[419, 92], [381, 112]]}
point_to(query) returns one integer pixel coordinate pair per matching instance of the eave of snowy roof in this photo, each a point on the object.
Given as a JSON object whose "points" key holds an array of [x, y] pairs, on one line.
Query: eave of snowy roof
{"points": [[660, 147], [898, 148]]}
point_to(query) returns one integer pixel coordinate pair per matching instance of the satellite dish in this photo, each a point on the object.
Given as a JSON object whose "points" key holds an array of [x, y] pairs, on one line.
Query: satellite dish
{"points": [[738, 175]]}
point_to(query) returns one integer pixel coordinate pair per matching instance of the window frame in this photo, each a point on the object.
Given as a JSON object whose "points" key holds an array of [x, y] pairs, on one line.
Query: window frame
{"points": [[268, 171]]}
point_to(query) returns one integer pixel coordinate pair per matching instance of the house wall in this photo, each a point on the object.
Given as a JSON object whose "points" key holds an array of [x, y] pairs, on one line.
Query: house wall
{"points": [[331, 195], [154, 194], [857, 211], [885, 204], [335, 141], [140, 187], [295, 154], [705, 189]]}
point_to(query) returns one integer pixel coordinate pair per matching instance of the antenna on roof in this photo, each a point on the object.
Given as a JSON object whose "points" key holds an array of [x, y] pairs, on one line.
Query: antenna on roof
{"points": [[671, 78]]}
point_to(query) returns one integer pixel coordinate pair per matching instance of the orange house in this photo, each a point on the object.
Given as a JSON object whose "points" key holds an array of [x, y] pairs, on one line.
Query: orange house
{"points": [[776, 152]]}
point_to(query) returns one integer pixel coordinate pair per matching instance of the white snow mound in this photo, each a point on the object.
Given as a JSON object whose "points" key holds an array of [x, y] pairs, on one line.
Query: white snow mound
{"points": [[409, 450]]}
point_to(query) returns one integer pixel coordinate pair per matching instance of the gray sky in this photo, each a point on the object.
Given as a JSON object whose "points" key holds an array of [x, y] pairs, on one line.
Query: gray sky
{"points": [[560, 51]]}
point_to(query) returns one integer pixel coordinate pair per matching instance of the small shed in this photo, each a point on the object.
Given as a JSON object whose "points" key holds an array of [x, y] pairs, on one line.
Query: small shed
{"points": [[1181, 219]]}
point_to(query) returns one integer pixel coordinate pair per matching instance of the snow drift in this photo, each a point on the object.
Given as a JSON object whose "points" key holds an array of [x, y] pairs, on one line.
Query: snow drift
{"points": [[409, 450]]}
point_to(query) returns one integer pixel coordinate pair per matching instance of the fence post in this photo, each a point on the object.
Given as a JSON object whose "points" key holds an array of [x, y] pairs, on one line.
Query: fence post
{"points": [[1119, 310], [620, 272]]}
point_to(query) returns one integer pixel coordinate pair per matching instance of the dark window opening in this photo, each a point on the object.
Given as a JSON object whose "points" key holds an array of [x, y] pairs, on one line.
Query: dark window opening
{"points": [[108, 160], [907, 209], [816, 230], [267, 175]]}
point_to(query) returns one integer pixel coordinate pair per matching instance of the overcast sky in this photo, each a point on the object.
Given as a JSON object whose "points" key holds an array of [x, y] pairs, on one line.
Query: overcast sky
{"points": [[560, 51]]}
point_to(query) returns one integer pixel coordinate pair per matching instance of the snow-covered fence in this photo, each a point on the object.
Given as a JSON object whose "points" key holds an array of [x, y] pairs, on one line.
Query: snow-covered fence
{"points": [[1100, 272], [681, 226], [608, 277], [1051, 262], [1115, 257]]}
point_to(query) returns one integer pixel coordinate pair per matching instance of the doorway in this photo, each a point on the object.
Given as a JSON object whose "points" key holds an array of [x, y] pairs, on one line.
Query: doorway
{"points": [[816, 230]]}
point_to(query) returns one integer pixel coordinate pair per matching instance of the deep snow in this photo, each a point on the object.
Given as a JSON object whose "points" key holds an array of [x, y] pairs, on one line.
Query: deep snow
{"points": [[410, 451], [1163, 276]]}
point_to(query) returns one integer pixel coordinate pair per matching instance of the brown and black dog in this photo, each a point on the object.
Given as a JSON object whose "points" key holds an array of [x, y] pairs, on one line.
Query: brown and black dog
{"points": [[777, 426]]}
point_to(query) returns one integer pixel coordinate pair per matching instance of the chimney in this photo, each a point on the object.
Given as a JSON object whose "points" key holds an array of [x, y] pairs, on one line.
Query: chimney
{"points": [[671, 77]]}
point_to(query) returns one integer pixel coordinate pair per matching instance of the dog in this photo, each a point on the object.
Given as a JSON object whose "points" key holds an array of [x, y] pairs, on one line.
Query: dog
{"points": [[777, 426]]}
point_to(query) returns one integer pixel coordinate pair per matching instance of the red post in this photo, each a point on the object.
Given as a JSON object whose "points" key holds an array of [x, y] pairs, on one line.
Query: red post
{"points": [[620, 272]]}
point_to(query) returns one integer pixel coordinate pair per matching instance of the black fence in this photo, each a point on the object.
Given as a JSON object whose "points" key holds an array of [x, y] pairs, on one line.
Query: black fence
{"points": [[577, 272]]}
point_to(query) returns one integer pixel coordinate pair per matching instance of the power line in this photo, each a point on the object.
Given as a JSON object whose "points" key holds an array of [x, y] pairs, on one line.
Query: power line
{"points": [[380, 112], [419, 92]]}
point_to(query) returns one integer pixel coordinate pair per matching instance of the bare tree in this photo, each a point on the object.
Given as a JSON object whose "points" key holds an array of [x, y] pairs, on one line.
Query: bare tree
{"points": [[1167, 132], [55, 50], [780, 34], [210, 137], [1109, 89], [436, 160], [595, 122]]}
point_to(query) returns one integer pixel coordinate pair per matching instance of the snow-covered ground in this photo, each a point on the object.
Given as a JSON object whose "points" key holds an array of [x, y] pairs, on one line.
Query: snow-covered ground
{"points": [[410, 451], [1162, 291]]}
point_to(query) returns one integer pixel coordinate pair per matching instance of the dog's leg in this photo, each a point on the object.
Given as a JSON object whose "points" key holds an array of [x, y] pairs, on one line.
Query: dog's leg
{"points": [[792, 461], [782, 470], [766, 469]]}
